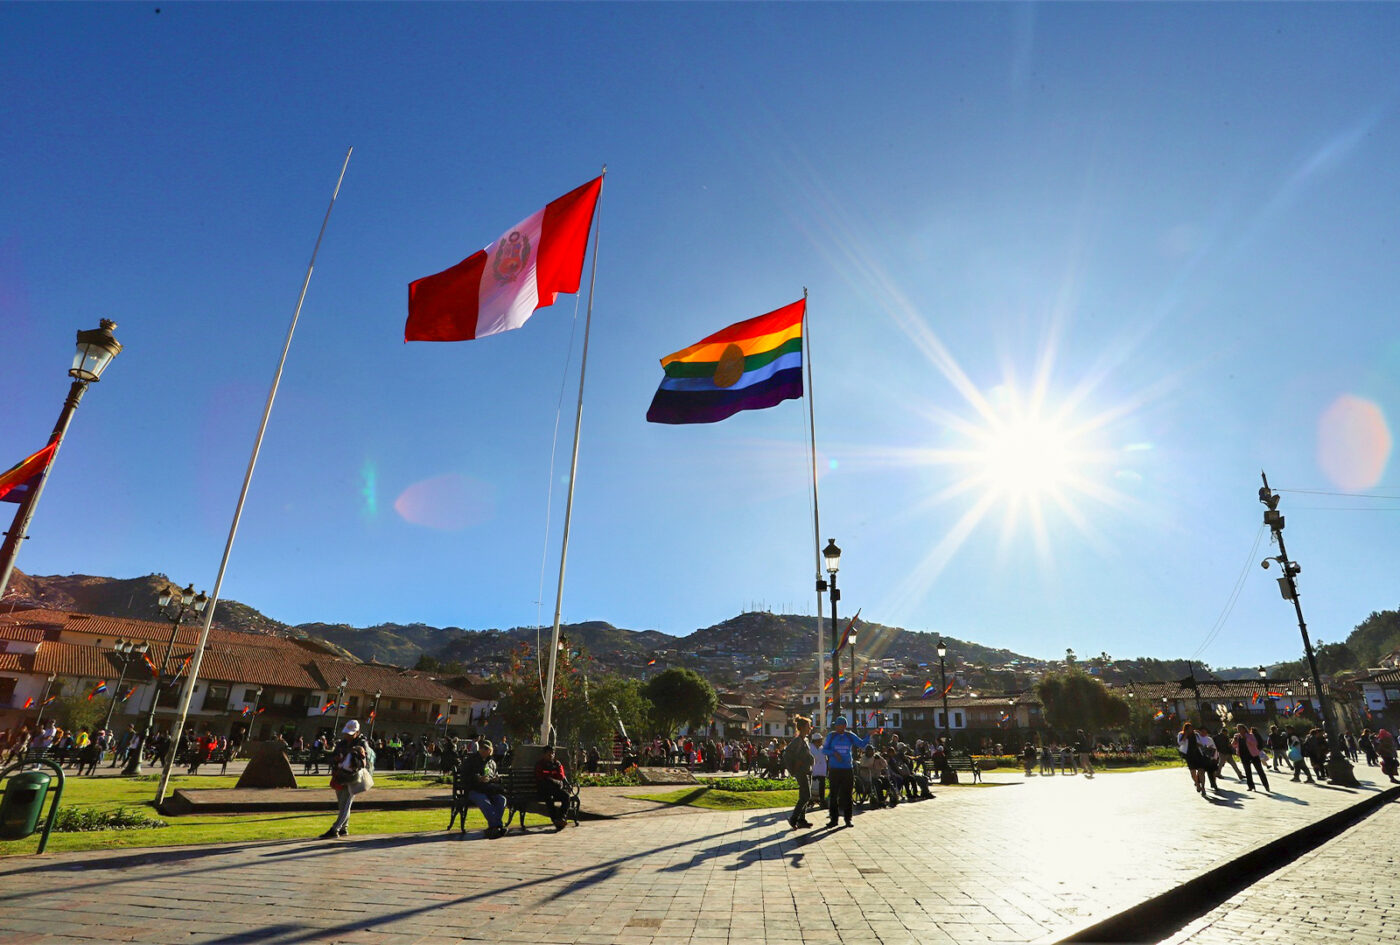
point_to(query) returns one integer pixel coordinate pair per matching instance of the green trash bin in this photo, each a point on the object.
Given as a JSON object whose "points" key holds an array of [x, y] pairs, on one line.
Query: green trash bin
{"points": [[22, 804]]}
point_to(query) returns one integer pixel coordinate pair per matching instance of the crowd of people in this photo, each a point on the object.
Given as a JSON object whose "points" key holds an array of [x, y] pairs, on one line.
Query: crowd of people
{"points": [[1305, 753], [86, 749]]}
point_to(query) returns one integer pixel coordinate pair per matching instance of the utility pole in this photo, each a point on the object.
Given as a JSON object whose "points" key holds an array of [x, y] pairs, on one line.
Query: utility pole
{"points": [[1338, 768]]}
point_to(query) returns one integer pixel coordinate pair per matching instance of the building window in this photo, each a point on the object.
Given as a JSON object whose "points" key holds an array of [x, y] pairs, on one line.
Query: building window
{"points": [[352, 703], [957, 720], [282, 698], [895, 720], [453, 710], [250, 695], [216, 698]]}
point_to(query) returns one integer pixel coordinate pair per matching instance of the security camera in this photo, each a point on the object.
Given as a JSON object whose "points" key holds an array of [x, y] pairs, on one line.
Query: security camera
{"points": [[1265, 563]]}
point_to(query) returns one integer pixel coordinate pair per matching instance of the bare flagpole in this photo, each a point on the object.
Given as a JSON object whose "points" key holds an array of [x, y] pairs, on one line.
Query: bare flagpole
{"points": [[548, 722], [188, 691], [816, 519]]}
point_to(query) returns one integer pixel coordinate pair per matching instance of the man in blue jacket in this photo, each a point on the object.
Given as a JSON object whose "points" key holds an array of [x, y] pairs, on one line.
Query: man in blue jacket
{"points": [[840, 748]]}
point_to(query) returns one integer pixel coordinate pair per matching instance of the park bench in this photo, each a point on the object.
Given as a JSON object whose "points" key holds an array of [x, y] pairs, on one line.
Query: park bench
{"points": [[521, 790]]}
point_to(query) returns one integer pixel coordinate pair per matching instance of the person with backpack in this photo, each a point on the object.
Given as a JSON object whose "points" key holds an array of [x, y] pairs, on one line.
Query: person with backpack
{"points": [[797, 758], [349, 775]]}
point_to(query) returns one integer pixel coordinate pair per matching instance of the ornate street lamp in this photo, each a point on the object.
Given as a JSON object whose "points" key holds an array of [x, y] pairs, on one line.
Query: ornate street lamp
{"points": [[188, 600], [252, 715], [96, 349], [832, 556], [43, 701], [378, 693], [339, 704], [128, 652], [943, 679]]}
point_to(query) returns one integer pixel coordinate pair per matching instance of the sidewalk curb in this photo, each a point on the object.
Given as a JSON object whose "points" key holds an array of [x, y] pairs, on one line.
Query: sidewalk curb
{"points": [[1158, 918]]}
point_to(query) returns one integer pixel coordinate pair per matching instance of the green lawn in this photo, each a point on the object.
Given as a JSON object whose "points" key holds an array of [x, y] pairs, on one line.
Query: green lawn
{"points": [[713, 799], [113, 793]]}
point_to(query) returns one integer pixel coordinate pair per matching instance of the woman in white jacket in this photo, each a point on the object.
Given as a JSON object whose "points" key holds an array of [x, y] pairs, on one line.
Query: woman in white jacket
{"points": [[818, 772]]}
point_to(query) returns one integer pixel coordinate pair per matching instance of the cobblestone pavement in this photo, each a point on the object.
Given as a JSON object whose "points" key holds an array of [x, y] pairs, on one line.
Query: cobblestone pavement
{"points": [[1344, 892], [1013, 862]]}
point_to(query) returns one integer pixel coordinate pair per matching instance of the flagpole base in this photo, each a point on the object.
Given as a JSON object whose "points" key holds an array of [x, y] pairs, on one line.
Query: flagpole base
{"points": [[1339, 771]]}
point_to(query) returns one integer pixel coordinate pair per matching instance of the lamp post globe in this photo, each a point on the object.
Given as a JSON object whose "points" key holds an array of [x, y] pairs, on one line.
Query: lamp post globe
{"points": [[96, 349]]}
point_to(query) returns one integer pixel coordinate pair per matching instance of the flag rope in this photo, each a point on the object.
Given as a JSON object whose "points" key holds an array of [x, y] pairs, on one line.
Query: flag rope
{"points": [[816, 508]]}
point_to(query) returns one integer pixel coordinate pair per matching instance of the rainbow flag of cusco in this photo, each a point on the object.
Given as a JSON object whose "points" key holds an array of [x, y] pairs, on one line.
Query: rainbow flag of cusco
{"points": [[19, 480], [929, 687], [748, 366]]}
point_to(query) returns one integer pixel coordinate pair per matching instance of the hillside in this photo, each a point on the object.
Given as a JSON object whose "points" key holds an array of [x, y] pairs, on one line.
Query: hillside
{"points": [[122, 597]]}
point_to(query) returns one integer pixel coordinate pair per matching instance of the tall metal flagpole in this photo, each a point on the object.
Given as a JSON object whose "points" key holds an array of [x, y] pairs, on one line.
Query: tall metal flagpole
{"points": [[188, 691], [816, 520], [548, 722]]}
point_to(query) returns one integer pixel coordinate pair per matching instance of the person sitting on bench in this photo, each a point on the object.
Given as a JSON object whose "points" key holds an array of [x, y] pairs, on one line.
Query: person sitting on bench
{"points": [[484, 787], [553, 787]]}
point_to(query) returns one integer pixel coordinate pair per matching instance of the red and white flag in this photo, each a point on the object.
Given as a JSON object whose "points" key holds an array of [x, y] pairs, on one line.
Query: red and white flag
{"points": [[500, 287]]}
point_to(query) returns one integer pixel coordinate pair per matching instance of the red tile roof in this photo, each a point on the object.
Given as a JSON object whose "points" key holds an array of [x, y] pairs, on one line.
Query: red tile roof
{"points": [[242, 658]]}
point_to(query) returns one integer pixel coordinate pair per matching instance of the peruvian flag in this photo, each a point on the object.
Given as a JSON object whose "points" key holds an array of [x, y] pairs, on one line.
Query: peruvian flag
{"points": [[498, 288]]}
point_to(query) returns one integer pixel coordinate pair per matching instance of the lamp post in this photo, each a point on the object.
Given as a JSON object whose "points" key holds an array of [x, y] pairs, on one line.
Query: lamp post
{"points": [[43, 701], [943, 680], [252, 715], [96, 349], [1338, 768], [832, 554], [339, 704], [188, 600], [855, 683], [378, 693], [128, 652], [447, 717]]}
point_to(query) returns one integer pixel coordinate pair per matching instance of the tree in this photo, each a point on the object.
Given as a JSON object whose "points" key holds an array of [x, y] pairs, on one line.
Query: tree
{"points": [[1074, 699], [679, 697]]}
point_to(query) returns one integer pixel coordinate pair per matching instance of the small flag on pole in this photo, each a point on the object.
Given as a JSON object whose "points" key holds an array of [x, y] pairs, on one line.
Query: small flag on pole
{"points": [[29, 704], [439, 718], [1276, 695], [949, 688], [19, 480], [498, 288], [750, 365], [49, 699], [845, 636], [373, 712], [929, 687], [651, 662], [128, 694], [101, 687], [327, 707]]}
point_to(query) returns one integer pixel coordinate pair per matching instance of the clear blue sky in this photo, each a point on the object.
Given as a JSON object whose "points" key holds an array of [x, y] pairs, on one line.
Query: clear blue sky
{"points": [[1177, 223]]}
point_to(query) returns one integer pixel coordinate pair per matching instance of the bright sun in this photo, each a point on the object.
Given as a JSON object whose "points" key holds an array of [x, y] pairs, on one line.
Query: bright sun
{"points": [[1026, 458]]}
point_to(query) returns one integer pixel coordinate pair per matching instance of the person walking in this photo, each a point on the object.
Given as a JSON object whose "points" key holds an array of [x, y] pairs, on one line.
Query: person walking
{"points": [[1190, 748], [1084, 749], [1295, 758], [1225, 749], [797, 758], [1385, 748], [1278, 746], [818, 770], [349, 776], [1247, 745], [840, 749]]}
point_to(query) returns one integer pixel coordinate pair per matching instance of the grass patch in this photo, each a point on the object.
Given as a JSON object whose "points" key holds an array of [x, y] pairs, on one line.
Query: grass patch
{"points": [[108, 796], [710, 798], [746, 785]]}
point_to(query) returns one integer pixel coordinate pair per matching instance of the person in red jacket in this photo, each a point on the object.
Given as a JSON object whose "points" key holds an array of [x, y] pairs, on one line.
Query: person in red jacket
{"points": [[553, 786]]}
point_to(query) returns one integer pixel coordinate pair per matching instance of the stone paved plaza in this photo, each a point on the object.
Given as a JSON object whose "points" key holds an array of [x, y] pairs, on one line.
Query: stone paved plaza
{"points": [[1345, 891], [1017, 861]]}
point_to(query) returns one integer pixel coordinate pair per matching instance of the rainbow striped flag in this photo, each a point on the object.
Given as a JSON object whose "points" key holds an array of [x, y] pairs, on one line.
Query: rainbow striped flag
{"points": [[439, 718], [19, 480], [929, 686], [49, 699], [29, 704], [748, 366], [1159, 715], [845, 637], [128, 694], [101, 687], [327, 707]]}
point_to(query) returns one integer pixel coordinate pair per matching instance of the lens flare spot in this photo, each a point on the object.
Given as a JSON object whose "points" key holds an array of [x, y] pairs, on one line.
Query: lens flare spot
{"points": [[1353, 443], [369, 488], [450, 503]]}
